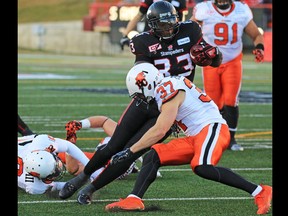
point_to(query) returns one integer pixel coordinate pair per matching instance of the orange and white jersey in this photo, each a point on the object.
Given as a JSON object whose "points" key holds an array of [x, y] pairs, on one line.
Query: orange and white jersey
{"points": [[224, 30], [33, 185], [197, 109]]}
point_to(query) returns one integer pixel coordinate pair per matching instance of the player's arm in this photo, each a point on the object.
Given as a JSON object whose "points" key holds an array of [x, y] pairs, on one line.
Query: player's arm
{"points": [[204, 54], [104, 122], [258, 40], [163, 124], [132, 23]]}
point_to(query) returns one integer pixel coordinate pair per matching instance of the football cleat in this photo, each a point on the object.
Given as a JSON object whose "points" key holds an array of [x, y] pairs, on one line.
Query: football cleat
{"points": [[263, 200], [84, 199], [234, 146], [127, 204]]}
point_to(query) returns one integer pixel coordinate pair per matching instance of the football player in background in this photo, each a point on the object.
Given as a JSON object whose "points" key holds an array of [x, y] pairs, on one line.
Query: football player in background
{"points": [[167, 46], [207, 137], [23, 128], [223, 24], [180, 6]]}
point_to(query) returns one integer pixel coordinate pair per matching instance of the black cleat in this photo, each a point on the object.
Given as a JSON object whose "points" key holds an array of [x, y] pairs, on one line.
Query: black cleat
{"points": [[84, 199]]}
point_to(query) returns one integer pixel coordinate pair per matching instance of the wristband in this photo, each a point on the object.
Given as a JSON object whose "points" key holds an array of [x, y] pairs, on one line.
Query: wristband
{"points": [[259, 46]]}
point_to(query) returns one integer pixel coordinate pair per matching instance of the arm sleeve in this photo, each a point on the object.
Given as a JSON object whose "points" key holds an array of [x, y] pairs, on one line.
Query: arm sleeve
{"points": [[71, 149]]}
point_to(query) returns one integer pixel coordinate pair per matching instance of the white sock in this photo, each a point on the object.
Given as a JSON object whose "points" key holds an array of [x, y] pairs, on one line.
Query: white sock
{"points": [[257, 191], [132, 195]]}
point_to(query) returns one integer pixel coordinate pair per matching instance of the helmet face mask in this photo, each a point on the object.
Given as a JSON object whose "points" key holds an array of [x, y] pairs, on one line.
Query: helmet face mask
{"points": [[222, 4], [44, 165], [141, 81], [162, 18]]}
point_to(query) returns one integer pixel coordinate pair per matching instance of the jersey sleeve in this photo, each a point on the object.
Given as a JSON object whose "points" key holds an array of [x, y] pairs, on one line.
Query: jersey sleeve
{"points": [[248, 13], [140, 49], [200, 11], [36, 187], [71, 149]]}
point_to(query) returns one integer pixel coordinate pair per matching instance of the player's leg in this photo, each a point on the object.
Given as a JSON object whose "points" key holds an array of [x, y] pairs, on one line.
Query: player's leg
{"points": [[133, 119], [232, 78], [206, 167], [175, 152], [111, 172], [23, 128]]}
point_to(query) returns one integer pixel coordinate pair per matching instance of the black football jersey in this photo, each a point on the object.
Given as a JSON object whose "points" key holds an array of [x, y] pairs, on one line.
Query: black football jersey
{"points": [[171, 57]]}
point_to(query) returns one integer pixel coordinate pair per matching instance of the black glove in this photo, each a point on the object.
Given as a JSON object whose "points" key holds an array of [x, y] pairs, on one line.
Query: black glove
{"points": [[121, 156], [124, 41]]}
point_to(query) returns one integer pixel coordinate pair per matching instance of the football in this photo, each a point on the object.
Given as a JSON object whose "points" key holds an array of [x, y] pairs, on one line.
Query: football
{"points": [[201, 55]]}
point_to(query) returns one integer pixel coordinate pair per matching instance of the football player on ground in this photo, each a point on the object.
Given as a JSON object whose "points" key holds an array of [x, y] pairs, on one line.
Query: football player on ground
{"points": [[207, 137], [180, 6], [42, 159], [39, 167], [223, 24], [167, 46]]}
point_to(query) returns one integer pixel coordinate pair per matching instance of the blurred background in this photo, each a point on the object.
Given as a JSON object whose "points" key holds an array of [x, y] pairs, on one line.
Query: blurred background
{"points": [[93, 27]]}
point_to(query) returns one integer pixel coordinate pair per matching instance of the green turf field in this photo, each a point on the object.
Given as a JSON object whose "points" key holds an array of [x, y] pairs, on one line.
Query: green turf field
{"points": [[54, 89]]}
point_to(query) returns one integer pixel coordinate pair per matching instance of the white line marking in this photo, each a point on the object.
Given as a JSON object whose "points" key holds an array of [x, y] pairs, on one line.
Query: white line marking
{"points": [[152, 199]]}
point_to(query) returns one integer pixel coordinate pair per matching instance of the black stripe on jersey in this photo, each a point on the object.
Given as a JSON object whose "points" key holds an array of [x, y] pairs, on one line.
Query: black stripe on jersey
{"points": [[209, 143], [29, 178]]}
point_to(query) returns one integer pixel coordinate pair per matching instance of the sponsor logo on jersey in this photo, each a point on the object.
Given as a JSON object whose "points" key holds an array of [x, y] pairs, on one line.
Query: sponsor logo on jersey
{"points": [[154, 47], [172, 52], [183, 41]]}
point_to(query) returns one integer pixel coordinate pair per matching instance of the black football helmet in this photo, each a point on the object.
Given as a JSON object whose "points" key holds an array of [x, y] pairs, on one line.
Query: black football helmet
{"points": [[162, 18], [222, 4]]}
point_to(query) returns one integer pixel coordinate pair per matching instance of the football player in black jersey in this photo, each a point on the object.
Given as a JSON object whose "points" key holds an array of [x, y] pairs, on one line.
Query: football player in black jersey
{"points": [[167, 46], [180, 6]]}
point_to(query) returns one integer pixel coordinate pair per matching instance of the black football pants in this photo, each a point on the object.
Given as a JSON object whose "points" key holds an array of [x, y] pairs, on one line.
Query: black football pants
{"points": [[135, 121]]}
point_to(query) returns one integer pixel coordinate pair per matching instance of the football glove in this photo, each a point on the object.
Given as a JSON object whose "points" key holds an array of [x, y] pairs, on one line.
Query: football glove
{"points": [[202, 54], [71, 127], [124, 41], [121, 156], [259, 53]]}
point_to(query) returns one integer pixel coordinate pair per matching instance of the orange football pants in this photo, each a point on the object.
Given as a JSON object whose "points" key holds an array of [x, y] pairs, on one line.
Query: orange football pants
{"points": [[223, 83], [204, 148]]}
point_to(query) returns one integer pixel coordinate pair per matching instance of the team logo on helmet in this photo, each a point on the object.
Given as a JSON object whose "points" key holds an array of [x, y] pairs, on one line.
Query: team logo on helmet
{"points": [[141, 80]]}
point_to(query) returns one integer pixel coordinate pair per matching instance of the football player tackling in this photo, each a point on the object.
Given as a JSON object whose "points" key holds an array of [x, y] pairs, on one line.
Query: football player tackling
{"points": [[207, 137]]}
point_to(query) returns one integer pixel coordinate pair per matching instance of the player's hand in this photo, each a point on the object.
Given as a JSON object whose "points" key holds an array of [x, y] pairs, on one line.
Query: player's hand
{"points": [[52, 192], [259, 55], [121, 156], [124, 41], [202, 54]]}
